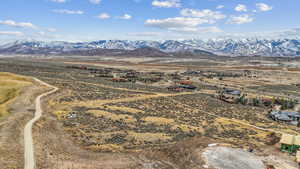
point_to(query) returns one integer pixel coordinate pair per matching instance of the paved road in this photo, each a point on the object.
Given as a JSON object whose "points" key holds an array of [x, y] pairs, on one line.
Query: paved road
{"points": [[28, 143]]}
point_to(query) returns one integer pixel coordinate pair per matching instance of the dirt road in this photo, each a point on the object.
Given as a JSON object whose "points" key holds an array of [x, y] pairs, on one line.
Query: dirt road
{"points": [[28, 143]]}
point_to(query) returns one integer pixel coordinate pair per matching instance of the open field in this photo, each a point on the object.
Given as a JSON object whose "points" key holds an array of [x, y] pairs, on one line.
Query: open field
{"points": [[17, 95], [10, 87], [95, 119]]}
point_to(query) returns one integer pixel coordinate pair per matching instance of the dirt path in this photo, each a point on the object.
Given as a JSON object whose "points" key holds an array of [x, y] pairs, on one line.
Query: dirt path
{"points": [[28, 143], [11, 128]]}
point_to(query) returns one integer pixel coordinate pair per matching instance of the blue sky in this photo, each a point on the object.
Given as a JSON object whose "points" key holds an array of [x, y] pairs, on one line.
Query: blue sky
{"points": [[85, 20]]}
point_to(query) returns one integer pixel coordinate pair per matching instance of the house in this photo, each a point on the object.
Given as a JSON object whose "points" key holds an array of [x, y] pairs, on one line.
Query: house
{"points": [[282, 116], [78, 67], [232, 92], [230, 95], [119, 80], [175, 88], [186, 82], [191, 72], [191, 87], [270, 167], [131, 75], [107, 75], [289, 143]]}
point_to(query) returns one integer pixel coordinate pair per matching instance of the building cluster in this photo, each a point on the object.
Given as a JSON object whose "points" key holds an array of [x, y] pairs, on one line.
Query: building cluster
{"points": [[235, 96], [119, 76], [122, 75], [217, 74]]}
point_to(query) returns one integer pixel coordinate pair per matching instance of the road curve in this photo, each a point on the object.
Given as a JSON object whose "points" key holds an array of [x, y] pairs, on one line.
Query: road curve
{"points": [[28, 143]]}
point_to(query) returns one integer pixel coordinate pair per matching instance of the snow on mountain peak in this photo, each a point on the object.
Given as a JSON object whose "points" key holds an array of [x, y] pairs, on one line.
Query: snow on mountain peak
{"points": [[221, 46]]}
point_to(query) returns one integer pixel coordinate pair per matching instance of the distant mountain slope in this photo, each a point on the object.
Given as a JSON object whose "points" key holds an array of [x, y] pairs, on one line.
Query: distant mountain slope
{"points": [[228, 47]]}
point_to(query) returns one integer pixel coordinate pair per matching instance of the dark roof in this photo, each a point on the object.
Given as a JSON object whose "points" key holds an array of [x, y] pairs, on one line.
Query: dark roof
{"points": [[232, 91], [285, 116]]}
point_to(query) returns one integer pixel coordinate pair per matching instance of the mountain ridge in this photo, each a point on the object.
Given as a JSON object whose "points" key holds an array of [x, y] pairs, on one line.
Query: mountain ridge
{"points": [[224, 47]]}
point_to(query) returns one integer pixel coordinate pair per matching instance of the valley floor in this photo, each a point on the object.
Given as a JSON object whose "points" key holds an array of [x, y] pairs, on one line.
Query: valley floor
{"points": [[94, 122]]}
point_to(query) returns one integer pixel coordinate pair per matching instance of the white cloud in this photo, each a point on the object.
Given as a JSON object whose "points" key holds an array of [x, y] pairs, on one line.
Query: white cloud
{"points": [[51, 30], [20, 24], [211, 29], [42, 33], [59, 1], [182, 24], [167, 3], [241, 8], [177, 22], [103, 16], [10, 33], [189, 22], [220, 6], [207, 14], [67, 11], [242, 19], [263, 7], [125, 16], [95, 1]]}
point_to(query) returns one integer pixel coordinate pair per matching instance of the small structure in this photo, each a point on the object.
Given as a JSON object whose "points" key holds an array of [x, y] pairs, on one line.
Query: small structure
{"points": [[232, 92], [175, 88], [77, 67], [131, 75], [186, 82], [191, 87], [191, 72], [119, 80], [290, 143], [230, 95], [106, 75], [270, 167], [286, 142], [282, 116]]}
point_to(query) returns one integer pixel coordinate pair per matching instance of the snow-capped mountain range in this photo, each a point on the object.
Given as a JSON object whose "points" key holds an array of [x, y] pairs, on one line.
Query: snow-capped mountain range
{"points": [[226, 47]]}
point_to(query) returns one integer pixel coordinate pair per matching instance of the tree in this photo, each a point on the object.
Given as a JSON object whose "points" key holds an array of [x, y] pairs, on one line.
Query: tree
{"points": [[255, 102]]}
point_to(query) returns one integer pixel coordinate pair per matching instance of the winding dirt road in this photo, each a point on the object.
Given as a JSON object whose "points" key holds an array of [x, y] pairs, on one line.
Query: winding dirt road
{"points": [[28, 143]]}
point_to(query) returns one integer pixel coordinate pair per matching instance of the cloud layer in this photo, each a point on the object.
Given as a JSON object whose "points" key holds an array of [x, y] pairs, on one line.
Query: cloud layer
{"points": [[263, 7], [59, 1], [167, 3], [126, 17], [11, 33], [241, 8], [67, 11], [95, 1], [103, 16], [18, 24], [240, 19]]}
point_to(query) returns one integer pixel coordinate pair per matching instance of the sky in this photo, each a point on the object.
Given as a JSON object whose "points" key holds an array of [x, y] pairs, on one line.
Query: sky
{"points": [[88, 20]]}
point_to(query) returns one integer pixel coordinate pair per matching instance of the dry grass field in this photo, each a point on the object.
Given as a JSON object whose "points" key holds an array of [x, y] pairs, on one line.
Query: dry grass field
{"points": [[17, 95], [94, 121], [10, 87]]}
